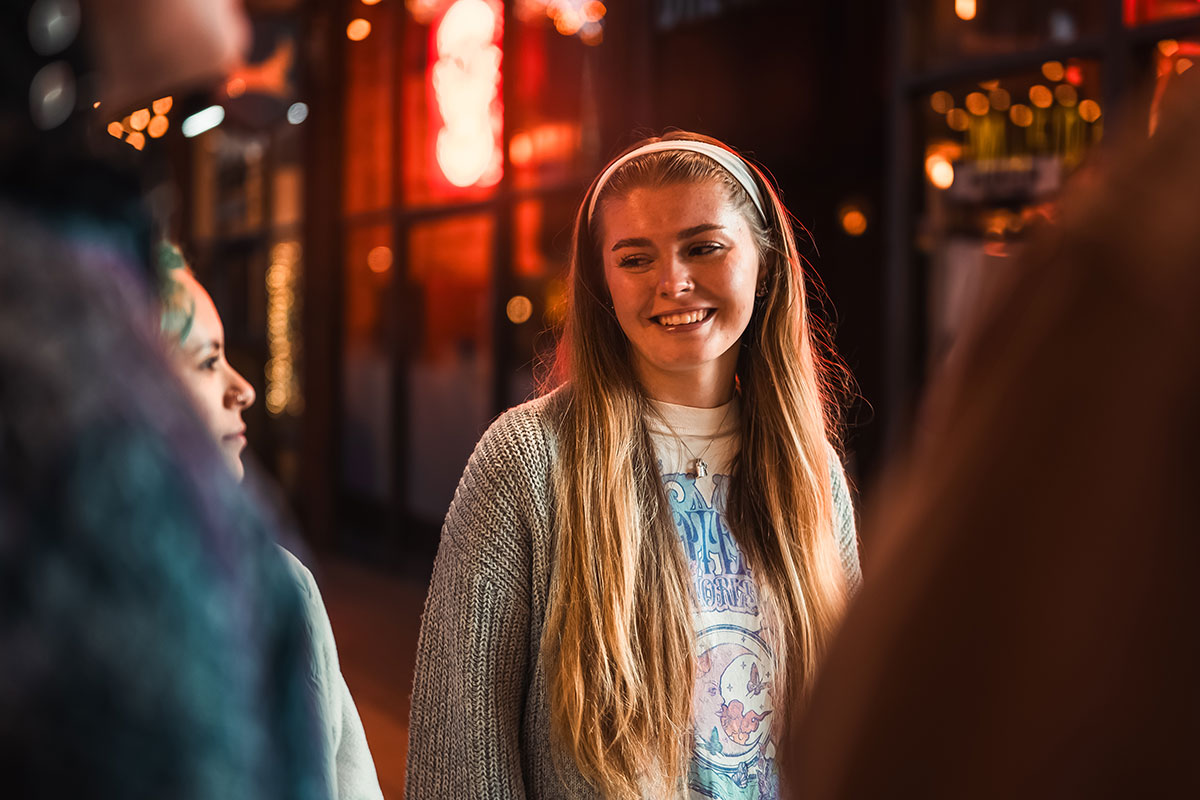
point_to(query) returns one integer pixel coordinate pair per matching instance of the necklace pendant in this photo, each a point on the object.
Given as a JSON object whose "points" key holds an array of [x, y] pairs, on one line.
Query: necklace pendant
{"points": [[701, 469]]}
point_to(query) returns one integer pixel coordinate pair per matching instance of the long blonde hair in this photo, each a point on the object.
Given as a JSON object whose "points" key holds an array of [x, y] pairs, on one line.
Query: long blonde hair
{"points": [[619, 642]]}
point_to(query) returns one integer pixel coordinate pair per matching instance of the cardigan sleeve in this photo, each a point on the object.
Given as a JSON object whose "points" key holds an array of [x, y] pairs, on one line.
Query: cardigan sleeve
{"points": [[843, 522], [472, 669]]}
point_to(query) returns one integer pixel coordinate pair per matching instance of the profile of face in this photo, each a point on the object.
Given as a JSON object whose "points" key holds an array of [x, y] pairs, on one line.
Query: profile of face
{"points": [[220, 393], [682, 266]]}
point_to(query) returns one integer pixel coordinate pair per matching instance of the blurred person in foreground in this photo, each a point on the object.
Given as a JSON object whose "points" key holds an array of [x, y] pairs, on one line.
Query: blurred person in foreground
{"points": [[640, 569], [195, 339], [1030, 625], [152, 642]]}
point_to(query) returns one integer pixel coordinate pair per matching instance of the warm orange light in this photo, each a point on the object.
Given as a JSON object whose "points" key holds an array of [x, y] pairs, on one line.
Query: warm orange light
{"points": [[1066, 95], [520, 149], [977, 103], [162, 105], [989, 85], [358, 29], [1021, 115], [379, 259], [1040, 96], [1053, 70], [96, 104], [594, 11], [854, 221], [939, 170], [519, 309], [158, 126], [1168, 47], [941, 102], [236, 87], [957, 119], [568, 22], [139, 119], [1000, 99], [137, 140], [1183, 65], [1089, 110], [115, 129], [591, 34], [965, 9], [369, 2], [1074, 75]]}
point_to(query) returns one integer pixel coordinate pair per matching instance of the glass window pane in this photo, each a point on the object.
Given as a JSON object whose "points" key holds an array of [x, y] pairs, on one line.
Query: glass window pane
{"points": [[450, 374], [995, 155], [952, 30], [368, 133], [1138, 12], [367, 363]]}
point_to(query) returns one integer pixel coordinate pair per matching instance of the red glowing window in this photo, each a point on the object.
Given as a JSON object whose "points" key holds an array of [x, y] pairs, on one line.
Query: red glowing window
{"points": [[1138, 12]]}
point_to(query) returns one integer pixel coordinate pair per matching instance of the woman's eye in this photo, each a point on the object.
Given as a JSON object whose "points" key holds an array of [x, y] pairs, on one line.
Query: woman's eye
{"points": [[705, 249], [209, 364], [633, 261]]}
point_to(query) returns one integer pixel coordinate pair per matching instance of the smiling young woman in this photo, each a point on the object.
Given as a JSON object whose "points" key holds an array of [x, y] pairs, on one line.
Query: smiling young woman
{"points": [[640, 570]]}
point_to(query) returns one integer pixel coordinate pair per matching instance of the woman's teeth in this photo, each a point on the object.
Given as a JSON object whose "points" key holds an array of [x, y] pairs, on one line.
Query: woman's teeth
{"points": [[686, 318]]}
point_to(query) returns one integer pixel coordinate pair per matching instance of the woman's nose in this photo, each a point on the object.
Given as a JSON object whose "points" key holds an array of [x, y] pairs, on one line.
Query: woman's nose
{"points": [[674, 277], [240, 393]]}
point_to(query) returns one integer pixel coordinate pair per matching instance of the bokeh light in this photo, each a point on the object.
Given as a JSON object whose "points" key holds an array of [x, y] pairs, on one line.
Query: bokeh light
{"points": [[358, 29], [1053, 70], [965, 9], [1021, 115], [379, 259], [1000, 99], [854, 221], [939, 171], [977, 103], [1066, 95], [1040, 96], [162, 105], [158, 126], [941, 102], [957, 119], [1089, 110], [519, 309]]}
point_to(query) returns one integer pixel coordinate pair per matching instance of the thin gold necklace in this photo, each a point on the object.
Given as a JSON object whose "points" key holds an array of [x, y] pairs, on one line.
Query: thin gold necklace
{"points": [[699, 465]]}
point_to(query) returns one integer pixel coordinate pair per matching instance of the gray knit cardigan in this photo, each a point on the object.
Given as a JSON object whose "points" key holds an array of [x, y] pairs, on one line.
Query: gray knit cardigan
{"points": [[480, 722]]}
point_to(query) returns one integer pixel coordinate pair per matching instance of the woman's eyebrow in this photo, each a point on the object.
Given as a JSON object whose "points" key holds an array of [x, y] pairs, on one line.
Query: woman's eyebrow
{"points": [[686, 233]]}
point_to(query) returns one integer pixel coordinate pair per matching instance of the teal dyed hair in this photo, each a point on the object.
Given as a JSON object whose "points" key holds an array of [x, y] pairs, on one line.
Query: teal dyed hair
{"points": [[178, 306]]}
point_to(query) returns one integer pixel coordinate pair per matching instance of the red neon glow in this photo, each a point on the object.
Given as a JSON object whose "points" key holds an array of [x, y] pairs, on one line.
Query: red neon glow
{"points": [[466, 84]]}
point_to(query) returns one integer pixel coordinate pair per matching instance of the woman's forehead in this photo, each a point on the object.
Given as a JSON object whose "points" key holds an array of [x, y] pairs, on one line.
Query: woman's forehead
{"points": [[668, 208]]}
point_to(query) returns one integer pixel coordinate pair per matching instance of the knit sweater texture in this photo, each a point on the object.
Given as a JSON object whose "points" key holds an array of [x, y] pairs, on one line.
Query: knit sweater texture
{"points": [[480, 719]]}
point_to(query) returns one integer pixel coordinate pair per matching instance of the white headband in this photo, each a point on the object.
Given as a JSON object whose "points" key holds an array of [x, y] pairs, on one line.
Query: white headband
{"points": [[731, 162]]}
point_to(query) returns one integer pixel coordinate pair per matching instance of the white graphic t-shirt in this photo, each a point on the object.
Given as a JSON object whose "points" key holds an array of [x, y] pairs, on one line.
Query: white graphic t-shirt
{"points": [[733, 753]]}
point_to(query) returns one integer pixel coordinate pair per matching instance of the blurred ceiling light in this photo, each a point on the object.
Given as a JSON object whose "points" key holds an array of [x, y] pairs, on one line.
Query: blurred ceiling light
{"points": [[1053, 70], [158, 126], [939, 171], [369, 2], [139, 119], [137, 140], [957, 119], [201, 121], [941, 102], [162, 105], [358, 29], [519, 309], [1066, 95], [1000, 99], [965, 9], [1089, 110], [977, 103], [297, 113], [854, 221], [96, 104], [1021, 115], [1040, 96], [1183, 65], [379, 260]]}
